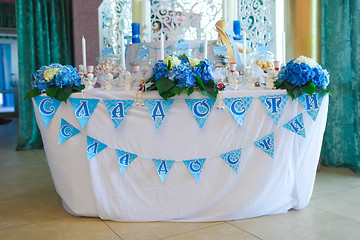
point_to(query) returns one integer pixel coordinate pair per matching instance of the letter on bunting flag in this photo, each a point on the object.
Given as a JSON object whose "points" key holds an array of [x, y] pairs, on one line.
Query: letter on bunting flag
{"points": [[201, 109], [238, 107], [124, 159], [118, 109], [163, 167], [195, 166], [93, 147], [158, 109], [275, 105], [67, 131], [83, 108], [47, 108], [296, 125], [232, 159], [312, 104], [266, 144]]}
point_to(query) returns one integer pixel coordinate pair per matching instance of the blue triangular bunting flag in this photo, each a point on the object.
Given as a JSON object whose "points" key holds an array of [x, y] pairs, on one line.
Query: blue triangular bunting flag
{"points": [[124, 159], [238, 107], [163, 167], [158, 109], [201, 109], [312, 103], [296, 125], [93, 147], [118, 109], [232, 159], [274, 105], [47, 108], [195, 166], [67, 131], [266, 144], [83, 108]]}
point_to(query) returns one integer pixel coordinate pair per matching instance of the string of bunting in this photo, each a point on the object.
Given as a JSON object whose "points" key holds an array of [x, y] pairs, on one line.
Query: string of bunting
{"points": [[159, 108]]}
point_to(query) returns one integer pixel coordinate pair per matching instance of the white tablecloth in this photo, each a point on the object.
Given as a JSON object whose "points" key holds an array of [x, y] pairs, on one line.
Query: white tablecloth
{"points": [[262, 186]]}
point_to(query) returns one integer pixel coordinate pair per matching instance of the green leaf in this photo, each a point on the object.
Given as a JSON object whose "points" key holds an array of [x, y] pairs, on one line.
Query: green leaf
{"points": [[211, 89], [164, 84], [152, 87], [32, 93], [78, 88], [309, 88], [152, 79], [167, 94], [290, 94], [177, 90], [168, 65], [51, 91], [189, 90], [184, 56], [290, 86], [63, 93], [199, 65], [297, 92], [322, 91], [279, 85], [200, 82]]}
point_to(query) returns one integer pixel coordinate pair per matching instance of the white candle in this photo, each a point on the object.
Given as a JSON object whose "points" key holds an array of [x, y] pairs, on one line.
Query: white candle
{"points": [[205, 47], [137, 14], [224, 10], [84, 54], [244, 49], [147, 23], [231, 13], [123, 52], [283, 48], [162, 47]]}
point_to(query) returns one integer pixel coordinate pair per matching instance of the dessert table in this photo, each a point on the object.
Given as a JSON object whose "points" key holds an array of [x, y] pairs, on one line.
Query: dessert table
{"points": [[262, 184]]}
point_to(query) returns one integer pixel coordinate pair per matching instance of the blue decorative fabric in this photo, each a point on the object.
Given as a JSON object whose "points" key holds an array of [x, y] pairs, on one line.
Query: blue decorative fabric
{"points": [[158, 109], [201, 109], [47, 108], [266, 144], [67, 131], [312, 104], [124, 159], [274, 105], [94, 147], [163, 167], [296, 125], [118, 109], [83, 108], [195, 167], [232, 159], [238, 107]]}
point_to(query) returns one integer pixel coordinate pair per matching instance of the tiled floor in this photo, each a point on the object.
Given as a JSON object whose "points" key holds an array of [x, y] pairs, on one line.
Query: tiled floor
{"points": [[31, 209]]}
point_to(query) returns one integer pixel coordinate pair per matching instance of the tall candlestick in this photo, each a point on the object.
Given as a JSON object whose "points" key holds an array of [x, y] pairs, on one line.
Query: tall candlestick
{"points": [[84, 53], [283, 48], [244, 49], [137, 10], [147, 23], [162, 46], [231, 13], [123, 52], [224, 2], [205, 47]]}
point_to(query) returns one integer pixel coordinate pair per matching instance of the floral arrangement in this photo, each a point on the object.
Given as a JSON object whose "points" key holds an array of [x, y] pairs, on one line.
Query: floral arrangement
{"points": [[303, 75], [175, 74], [56, 80]]}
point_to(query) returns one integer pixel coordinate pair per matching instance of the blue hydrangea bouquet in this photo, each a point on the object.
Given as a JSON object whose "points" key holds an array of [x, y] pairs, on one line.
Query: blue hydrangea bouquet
{"points": [[174, 75], [56, 80], [303, 75]]}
